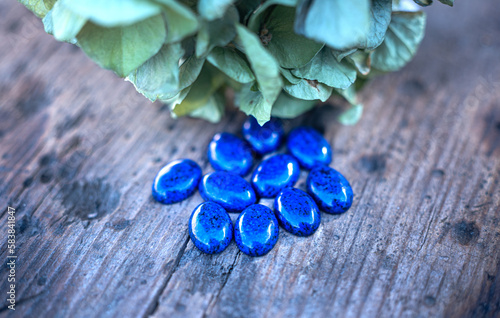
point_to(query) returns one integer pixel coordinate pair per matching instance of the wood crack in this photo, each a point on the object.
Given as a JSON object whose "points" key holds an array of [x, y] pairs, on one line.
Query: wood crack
{"points": [[153, 306], [216, 298]]}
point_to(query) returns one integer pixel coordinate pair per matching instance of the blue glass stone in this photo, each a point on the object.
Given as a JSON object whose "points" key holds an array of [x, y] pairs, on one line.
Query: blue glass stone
{"points": [[176, 181], [331, 191], [297, 212], [256, 230], [274, 174], [227, 152], [210, 228], [309, 147], [264, 139], [229, 190]]}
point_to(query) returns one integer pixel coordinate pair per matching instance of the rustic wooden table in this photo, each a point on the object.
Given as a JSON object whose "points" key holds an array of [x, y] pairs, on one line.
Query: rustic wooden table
{"points": [[79, 150]]}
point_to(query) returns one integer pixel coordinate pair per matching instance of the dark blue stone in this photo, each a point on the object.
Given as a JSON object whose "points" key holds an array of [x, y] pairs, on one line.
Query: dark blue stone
{"points": [[227, 152], [274, 174], [256, 230], [331, 191], [297, 212], [176, 181], [264, 139], [229, 190], [309, 147], [210, 228]]}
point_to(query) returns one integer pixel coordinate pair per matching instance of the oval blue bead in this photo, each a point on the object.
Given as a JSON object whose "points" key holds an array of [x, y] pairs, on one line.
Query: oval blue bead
{"points": [[274, 174], [264, 139], [331, 191], [309, 147], [297, 212], [229, 190], [227, 152], [176, 181], [210, 228], [256, 230]]}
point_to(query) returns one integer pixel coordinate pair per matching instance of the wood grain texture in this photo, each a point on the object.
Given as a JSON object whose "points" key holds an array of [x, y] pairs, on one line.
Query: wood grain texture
{"points": [[80, 148]]}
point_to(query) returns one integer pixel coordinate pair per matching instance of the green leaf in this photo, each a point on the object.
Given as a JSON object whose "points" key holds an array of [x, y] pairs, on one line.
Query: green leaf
{"points": [[113, 13], [216, 33], [340, 24], [48, 25], [276, 32], [308, 90], [209, 81], [39, 7], [325, 69], [448, 2], [159, 76], [123, 49], [253, 103], [189, 71], [423, 3], [213, 110], [402, 39], [380, 17], [352, 115], [256, 19], [247, 8], [180, 20], [264, 66], [203, 41], [213, 9], [63, 23], [404, 6], [287, 106], [340, 55], [194, 3], [362, 61], [349, 94], [49, 4], [287, 74], [176, 100], [232, 64]]}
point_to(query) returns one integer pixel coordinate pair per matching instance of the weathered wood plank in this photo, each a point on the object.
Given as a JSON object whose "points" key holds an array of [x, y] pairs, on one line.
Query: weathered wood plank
{"points": [[79, 149]]}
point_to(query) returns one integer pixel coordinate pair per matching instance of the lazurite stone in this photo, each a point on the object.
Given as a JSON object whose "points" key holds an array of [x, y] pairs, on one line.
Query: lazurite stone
{"points": [[227, 152], [229, 190], [331, 191], [256, 230], [274, 174], [210, 228], [309, 147], [264, 139], [176, 181], [297, 212]]}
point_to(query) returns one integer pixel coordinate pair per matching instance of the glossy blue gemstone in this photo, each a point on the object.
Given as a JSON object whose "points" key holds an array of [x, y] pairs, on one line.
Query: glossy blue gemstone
{"points": [[227, 152], [331, 191], [309, 147], [176, 181], [264, 139], [274, 174], [297, 212], [256, 230], [210, 228], [229, 190]]}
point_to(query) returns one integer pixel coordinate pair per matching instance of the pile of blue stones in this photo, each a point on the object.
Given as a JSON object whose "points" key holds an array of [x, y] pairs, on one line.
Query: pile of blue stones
{"points": [[225, 190]]}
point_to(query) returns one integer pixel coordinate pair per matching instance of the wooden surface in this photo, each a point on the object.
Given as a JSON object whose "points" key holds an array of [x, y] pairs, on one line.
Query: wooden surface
{"points": [[79, 150]]}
